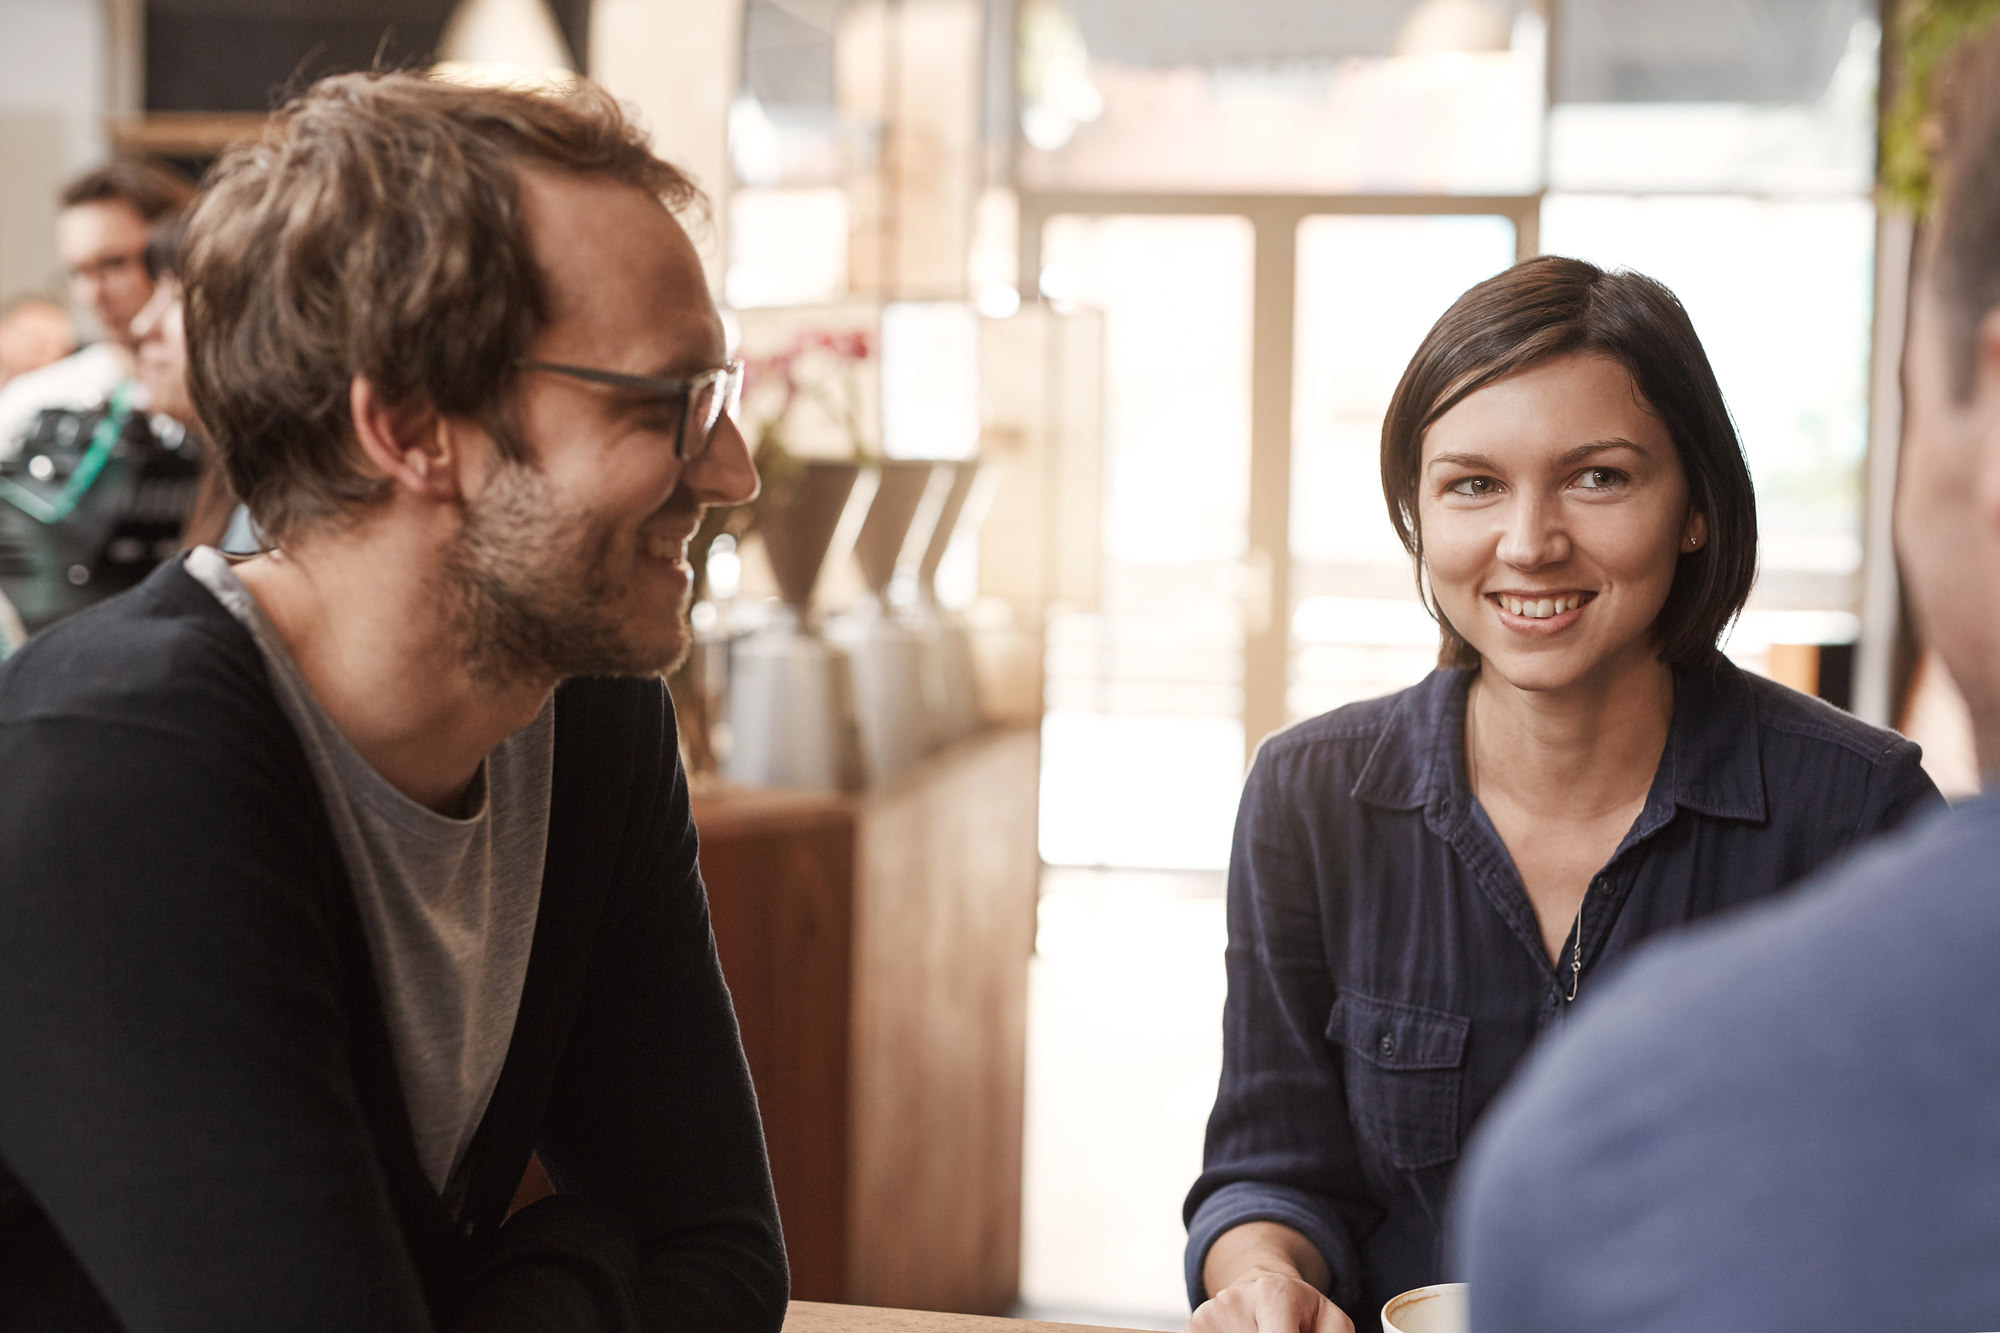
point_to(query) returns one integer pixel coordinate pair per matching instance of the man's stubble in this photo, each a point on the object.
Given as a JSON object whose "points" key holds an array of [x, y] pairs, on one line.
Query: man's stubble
{"points": [[532, 593]]}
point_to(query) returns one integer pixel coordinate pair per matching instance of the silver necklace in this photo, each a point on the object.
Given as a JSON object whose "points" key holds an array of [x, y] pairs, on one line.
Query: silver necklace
{"points": [[1472, 780]]}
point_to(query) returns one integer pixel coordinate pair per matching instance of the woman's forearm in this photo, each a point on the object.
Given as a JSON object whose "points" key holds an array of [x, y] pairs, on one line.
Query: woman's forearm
{"points": [[1262, 1247]]}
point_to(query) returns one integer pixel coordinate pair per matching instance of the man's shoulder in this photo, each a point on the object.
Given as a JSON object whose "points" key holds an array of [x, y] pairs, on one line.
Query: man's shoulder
{"points": [[1910, 921], [614, 713], [1833, 933], [1793, 1085], [608, 697], [164, 654], [614, 730]]}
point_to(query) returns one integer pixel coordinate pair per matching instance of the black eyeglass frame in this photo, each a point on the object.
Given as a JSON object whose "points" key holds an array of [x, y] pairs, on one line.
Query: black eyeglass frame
{"points": [[731, 388]]}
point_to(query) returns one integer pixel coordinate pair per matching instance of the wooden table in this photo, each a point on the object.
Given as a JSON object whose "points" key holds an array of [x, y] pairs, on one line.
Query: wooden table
{"points": [[811, 1317]]}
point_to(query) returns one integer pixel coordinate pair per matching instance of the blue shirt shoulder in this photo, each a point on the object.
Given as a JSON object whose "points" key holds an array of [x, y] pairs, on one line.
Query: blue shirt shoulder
{"points": [[1780, 1120]]}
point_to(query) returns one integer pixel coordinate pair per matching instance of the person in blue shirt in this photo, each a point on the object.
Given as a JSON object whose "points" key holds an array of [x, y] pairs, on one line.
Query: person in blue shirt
{"points": [[1422, 884], [1792, 1120]]}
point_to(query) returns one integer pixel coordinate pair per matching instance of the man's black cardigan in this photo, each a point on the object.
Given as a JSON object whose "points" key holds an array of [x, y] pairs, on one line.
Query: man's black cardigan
{"points": [[201, 1124]]}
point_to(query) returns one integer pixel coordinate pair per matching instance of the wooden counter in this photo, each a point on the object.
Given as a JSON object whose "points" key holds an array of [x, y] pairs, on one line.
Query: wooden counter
{"points": [[808, 1317], [877, 949]]}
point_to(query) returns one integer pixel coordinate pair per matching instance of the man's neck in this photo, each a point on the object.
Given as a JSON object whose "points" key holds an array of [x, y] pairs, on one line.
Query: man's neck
{"points": [[363, 614]]}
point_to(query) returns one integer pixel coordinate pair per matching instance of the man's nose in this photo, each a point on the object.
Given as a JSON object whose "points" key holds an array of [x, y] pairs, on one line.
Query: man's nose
{"points": [[1532, 534], [724, 473]]}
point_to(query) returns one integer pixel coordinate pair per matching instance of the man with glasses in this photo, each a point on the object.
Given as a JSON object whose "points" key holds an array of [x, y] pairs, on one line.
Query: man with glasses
{"points": [[101, 236], [355, 969]]}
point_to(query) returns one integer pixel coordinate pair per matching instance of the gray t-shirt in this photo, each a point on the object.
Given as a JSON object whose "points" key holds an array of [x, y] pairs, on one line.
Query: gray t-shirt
{"points": [[448, 904]]}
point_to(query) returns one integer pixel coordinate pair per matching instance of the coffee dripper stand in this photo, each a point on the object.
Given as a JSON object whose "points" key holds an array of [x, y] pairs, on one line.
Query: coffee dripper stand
{"points": [[791, 697], [891, 707], [951, 684]]}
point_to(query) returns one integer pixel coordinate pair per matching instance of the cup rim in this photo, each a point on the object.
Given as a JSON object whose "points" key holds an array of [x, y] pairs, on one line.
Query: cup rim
{"points": [[1426, 1293]]}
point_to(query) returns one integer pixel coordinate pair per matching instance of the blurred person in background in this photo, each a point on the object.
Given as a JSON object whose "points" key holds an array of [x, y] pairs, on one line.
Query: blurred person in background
{"points": [[12, 632], [94, 496], [101, 235], [160, 332], [34, 332], [1792, 1120], [1423, 884], [355, 967]]}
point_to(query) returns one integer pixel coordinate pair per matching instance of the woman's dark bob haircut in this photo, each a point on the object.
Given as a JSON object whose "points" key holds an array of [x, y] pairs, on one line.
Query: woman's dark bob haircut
{"points": [[1551, 307]]}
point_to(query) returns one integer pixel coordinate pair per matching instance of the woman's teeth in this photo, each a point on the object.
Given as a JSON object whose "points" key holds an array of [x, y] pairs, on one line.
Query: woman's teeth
{"points": [[1541, 609]]}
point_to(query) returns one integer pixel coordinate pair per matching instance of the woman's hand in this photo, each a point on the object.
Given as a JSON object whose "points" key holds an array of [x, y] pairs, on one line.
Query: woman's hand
{"points": [[1270, 1303], [1266, 1278]]}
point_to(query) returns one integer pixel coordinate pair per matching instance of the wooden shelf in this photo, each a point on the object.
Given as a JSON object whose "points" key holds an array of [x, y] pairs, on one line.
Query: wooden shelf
{"points": [[877, 950], [183, 133]]}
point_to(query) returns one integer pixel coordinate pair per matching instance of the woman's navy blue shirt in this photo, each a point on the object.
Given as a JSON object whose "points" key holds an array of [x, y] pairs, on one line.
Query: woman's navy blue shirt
{"points": [[1386, 971]]}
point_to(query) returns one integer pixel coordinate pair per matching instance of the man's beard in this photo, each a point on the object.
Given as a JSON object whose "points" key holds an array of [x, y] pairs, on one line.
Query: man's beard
{"points": [[533, 596]]}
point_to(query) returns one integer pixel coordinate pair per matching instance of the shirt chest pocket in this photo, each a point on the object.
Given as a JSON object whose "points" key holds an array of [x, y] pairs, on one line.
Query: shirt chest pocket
{"points": [[1403, 1066]]}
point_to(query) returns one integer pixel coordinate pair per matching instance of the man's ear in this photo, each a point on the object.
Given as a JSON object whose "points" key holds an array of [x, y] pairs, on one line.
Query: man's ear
{"points": [[404, 442], [1985, 415], [1986, 350]]}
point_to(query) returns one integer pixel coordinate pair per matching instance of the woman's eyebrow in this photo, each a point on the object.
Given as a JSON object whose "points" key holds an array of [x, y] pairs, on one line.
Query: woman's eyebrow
{"points": [[1568, 458], [1582, 451], [1463, 460]]}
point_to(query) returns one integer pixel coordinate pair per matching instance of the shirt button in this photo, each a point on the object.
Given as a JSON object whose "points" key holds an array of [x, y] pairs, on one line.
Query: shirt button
{"points": [[1387, 1045]]}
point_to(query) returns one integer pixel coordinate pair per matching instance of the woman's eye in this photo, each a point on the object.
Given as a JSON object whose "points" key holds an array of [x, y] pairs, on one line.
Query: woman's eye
{"points": [[1474, 486], [1599, 478]]}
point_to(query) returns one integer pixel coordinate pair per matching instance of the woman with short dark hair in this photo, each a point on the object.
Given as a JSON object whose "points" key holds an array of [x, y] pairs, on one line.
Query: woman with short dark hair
{"points": [[1421, 884]]}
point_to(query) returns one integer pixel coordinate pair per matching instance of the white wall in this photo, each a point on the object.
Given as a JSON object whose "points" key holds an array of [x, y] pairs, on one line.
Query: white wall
{"points": [[677, 64], [52, 101]]}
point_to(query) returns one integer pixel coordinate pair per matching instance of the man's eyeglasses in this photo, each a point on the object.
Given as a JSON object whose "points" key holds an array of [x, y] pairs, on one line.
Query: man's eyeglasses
{"points": [[703, 398]]}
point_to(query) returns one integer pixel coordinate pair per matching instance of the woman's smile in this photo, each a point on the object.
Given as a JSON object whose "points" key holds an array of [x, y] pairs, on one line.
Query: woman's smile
{"points": [[1543, 613]]}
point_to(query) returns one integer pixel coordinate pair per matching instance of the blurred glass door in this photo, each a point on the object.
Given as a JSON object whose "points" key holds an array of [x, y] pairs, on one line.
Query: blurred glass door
{"points": [[1143, 739], [1150, 702], [1368, 290]]}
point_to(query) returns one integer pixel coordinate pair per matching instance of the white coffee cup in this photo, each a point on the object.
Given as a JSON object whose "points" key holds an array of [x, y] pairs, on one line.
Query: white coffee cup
{"points": [[1438, 1309]]}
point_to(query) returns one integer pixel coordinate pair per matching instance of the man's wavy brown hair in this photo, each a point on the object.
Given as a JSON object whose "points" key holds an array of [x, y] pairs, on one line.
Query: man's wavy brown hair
{"points": [[376, 230], [1963, 236]]}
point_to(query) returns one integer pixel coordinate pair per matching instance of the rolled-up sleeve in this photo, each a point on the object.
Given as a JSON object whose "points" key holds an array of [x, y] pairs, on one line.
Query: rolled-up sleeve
{"points": [[1279, 1146]]}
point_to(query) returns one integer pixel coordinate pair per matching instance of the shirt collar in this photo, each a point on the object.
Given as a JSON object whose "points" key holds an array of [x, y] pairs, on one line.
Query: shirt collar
{"points": [[1419, 760], [1712, 744], [1711, 763]]}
